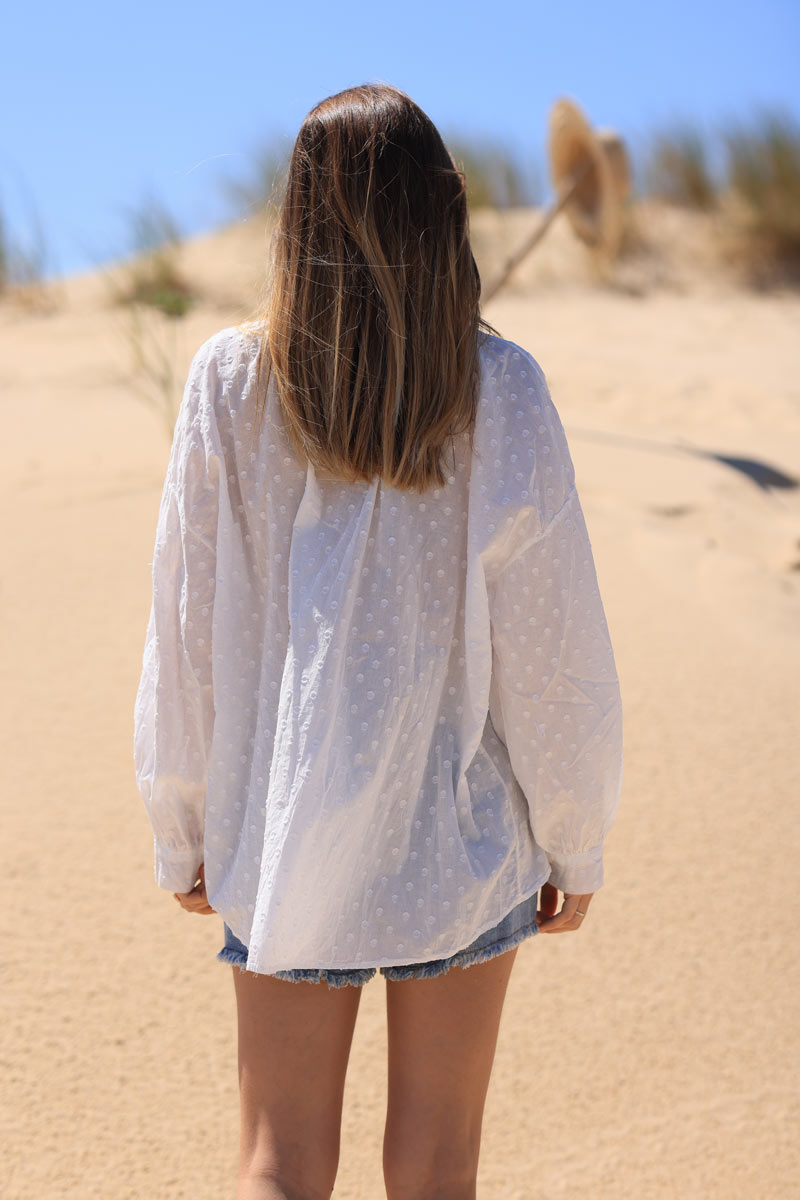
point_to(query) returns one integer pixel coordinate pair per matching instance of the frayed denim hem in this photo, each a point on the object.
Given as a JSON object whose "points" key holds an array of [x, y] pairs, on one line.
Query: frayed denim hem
{"points": [[235, 953], [354, 978], [467, 958], [228, 955]]}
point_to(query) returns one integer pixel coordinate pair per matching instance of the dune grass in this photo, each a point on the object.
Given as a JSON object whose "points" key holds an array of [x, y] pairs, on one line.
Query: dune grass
{"points": [[23, 268], [152, 276], [763, 222], [152, 294], [495, 176], [155, 346], [677, 168], [754, 195]]}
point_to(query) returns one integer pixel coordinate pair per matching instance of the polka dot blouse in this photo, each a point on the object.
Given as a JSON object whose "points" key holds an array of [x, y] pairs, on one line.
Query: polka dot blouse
{"points": [[382, 719]]}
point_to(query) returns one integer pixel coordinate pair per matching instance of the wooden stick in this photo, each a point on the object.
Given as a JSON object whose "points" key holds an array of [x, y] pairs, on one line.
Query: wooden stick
{"points": [[537, 235]]}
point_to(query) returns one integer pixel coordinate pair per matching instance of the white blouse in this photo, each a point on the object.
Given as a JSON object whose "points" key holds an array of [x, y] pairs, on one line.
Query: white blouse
{"points": [[381, 719]]}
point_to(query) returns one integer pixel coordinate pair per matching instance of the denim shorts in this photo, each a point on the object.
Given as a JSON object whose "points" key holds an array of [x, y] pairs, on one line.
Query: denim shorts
{"points": [[520, 923]]}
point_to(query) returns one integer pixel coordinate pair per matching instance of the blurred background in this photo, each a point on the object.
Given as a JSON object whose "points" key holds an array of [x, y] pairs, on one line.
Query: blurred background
{"points": [[127, 129], [141, 158]]}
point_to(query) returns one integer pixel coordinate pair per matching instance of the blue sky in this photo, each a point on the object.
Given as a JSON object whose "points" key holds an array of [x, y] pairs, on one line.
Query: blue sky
{"points": [[104, 105]]}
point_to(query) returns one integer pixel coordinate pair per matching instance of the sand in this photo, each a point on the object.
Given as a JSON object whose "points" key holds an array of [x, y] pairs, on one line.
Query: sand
{"points": [[653, 1054]]}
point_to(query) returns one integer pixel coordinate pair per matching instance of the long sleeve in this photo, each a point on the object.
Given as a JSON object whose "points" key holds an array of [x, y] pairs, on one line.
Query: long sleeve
{"points": [[555, 697], [174, 707]]}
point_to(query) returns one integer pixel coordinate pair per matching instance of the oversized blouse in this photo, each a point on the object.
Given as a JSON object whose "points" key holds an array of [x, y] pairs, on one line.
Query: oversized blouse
{"points": [[381, 718]]}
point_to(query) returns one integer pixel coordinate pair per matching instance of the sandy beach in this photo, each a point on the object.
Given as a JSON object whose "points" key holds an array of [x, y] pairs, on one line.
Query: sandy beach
{"points": [[653, 1055]]}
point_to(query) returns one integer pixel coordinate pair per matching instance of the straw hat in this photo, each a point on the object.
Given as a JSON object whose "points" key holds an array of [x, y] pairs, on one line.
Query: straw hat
{"points": [[617, 155], [595, 209]]}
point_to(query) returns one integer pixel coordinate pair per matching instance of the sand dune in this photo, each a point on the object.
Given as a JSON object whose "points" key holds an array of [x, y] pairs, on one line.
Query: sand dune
{"points": [[654, 1054]]}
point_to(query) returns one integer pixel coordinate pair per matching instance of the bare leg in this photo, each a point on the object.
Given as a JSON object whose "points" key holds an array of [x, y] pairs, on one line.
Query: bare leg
{"points": [[294, 1046], [442, 1040]]}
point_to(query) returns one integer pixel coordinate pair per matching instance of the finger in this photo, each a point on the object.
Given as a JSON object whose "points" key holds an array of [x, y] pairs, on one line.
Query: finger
{"points": [[548, 901], [570, 918], [558, 922], [556, 919], [197, 902]]}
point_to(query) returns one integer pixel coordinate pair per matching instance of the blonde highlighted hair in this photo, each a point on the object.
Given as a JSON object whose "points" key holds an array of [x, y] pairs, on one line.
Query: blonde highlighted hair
{"points": [[371, 320]]}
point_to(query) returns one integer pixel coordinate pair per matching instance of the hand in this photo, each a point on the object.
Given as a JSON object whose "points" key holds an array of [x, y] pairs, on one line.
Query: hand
{"points": [[196, 900], [550, 921]]}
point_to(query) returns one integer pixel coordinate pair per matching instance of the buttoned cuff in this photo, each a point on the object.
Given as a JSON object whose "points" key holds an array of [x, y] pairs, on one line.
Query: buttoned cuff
{"points": [[177, 871], [577, 874]]}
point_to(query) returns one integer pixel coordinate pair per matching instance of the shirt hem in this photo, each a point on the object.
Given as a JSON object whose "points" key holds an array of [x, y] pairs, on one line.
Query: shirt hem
{"points": [[409, 960]]}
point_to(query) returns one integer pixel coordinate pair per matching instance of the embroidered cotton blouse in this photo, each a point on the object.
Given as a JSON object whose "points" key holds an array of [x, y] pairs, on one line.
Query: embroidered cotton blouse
{"points": [[382, 719]]}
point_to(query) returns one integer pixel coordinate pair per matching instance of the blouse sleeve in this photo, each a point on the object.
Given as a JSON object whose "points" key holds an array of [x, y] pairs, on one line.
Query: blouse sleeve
{"points": [[174, 707], [555, 695]]}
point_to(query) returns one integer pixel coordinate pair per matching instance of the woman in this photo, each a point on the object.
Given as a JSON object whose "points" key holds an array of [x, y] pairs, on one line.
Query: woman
{"points": [[379, 708]]}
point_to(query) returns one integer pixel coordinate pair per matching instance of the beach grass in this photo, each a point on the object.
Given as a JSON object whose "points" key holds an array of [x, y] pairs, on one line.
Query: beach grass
{"points": [[152, 275], [677, 168], [152, 294], [495, 176], [762, 227], [24, 265]]}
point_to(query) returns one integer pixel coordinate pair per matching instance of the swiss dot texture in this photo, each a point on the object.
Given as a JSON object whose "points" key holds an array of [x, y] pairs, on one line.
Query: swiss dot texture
{"points": [[381, 719]]}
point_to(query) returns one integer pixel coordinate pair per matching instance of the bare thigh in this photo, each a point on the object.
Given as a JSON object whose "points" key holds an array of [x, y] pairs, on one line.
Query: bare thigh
{"points": [[442, 1039], [294, 1046]]}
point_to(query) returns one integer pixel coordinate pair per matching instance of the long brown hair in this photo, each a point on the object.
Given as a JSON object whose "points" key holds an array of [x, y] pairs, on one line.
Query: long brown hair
{"points": [[372, 316]]}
